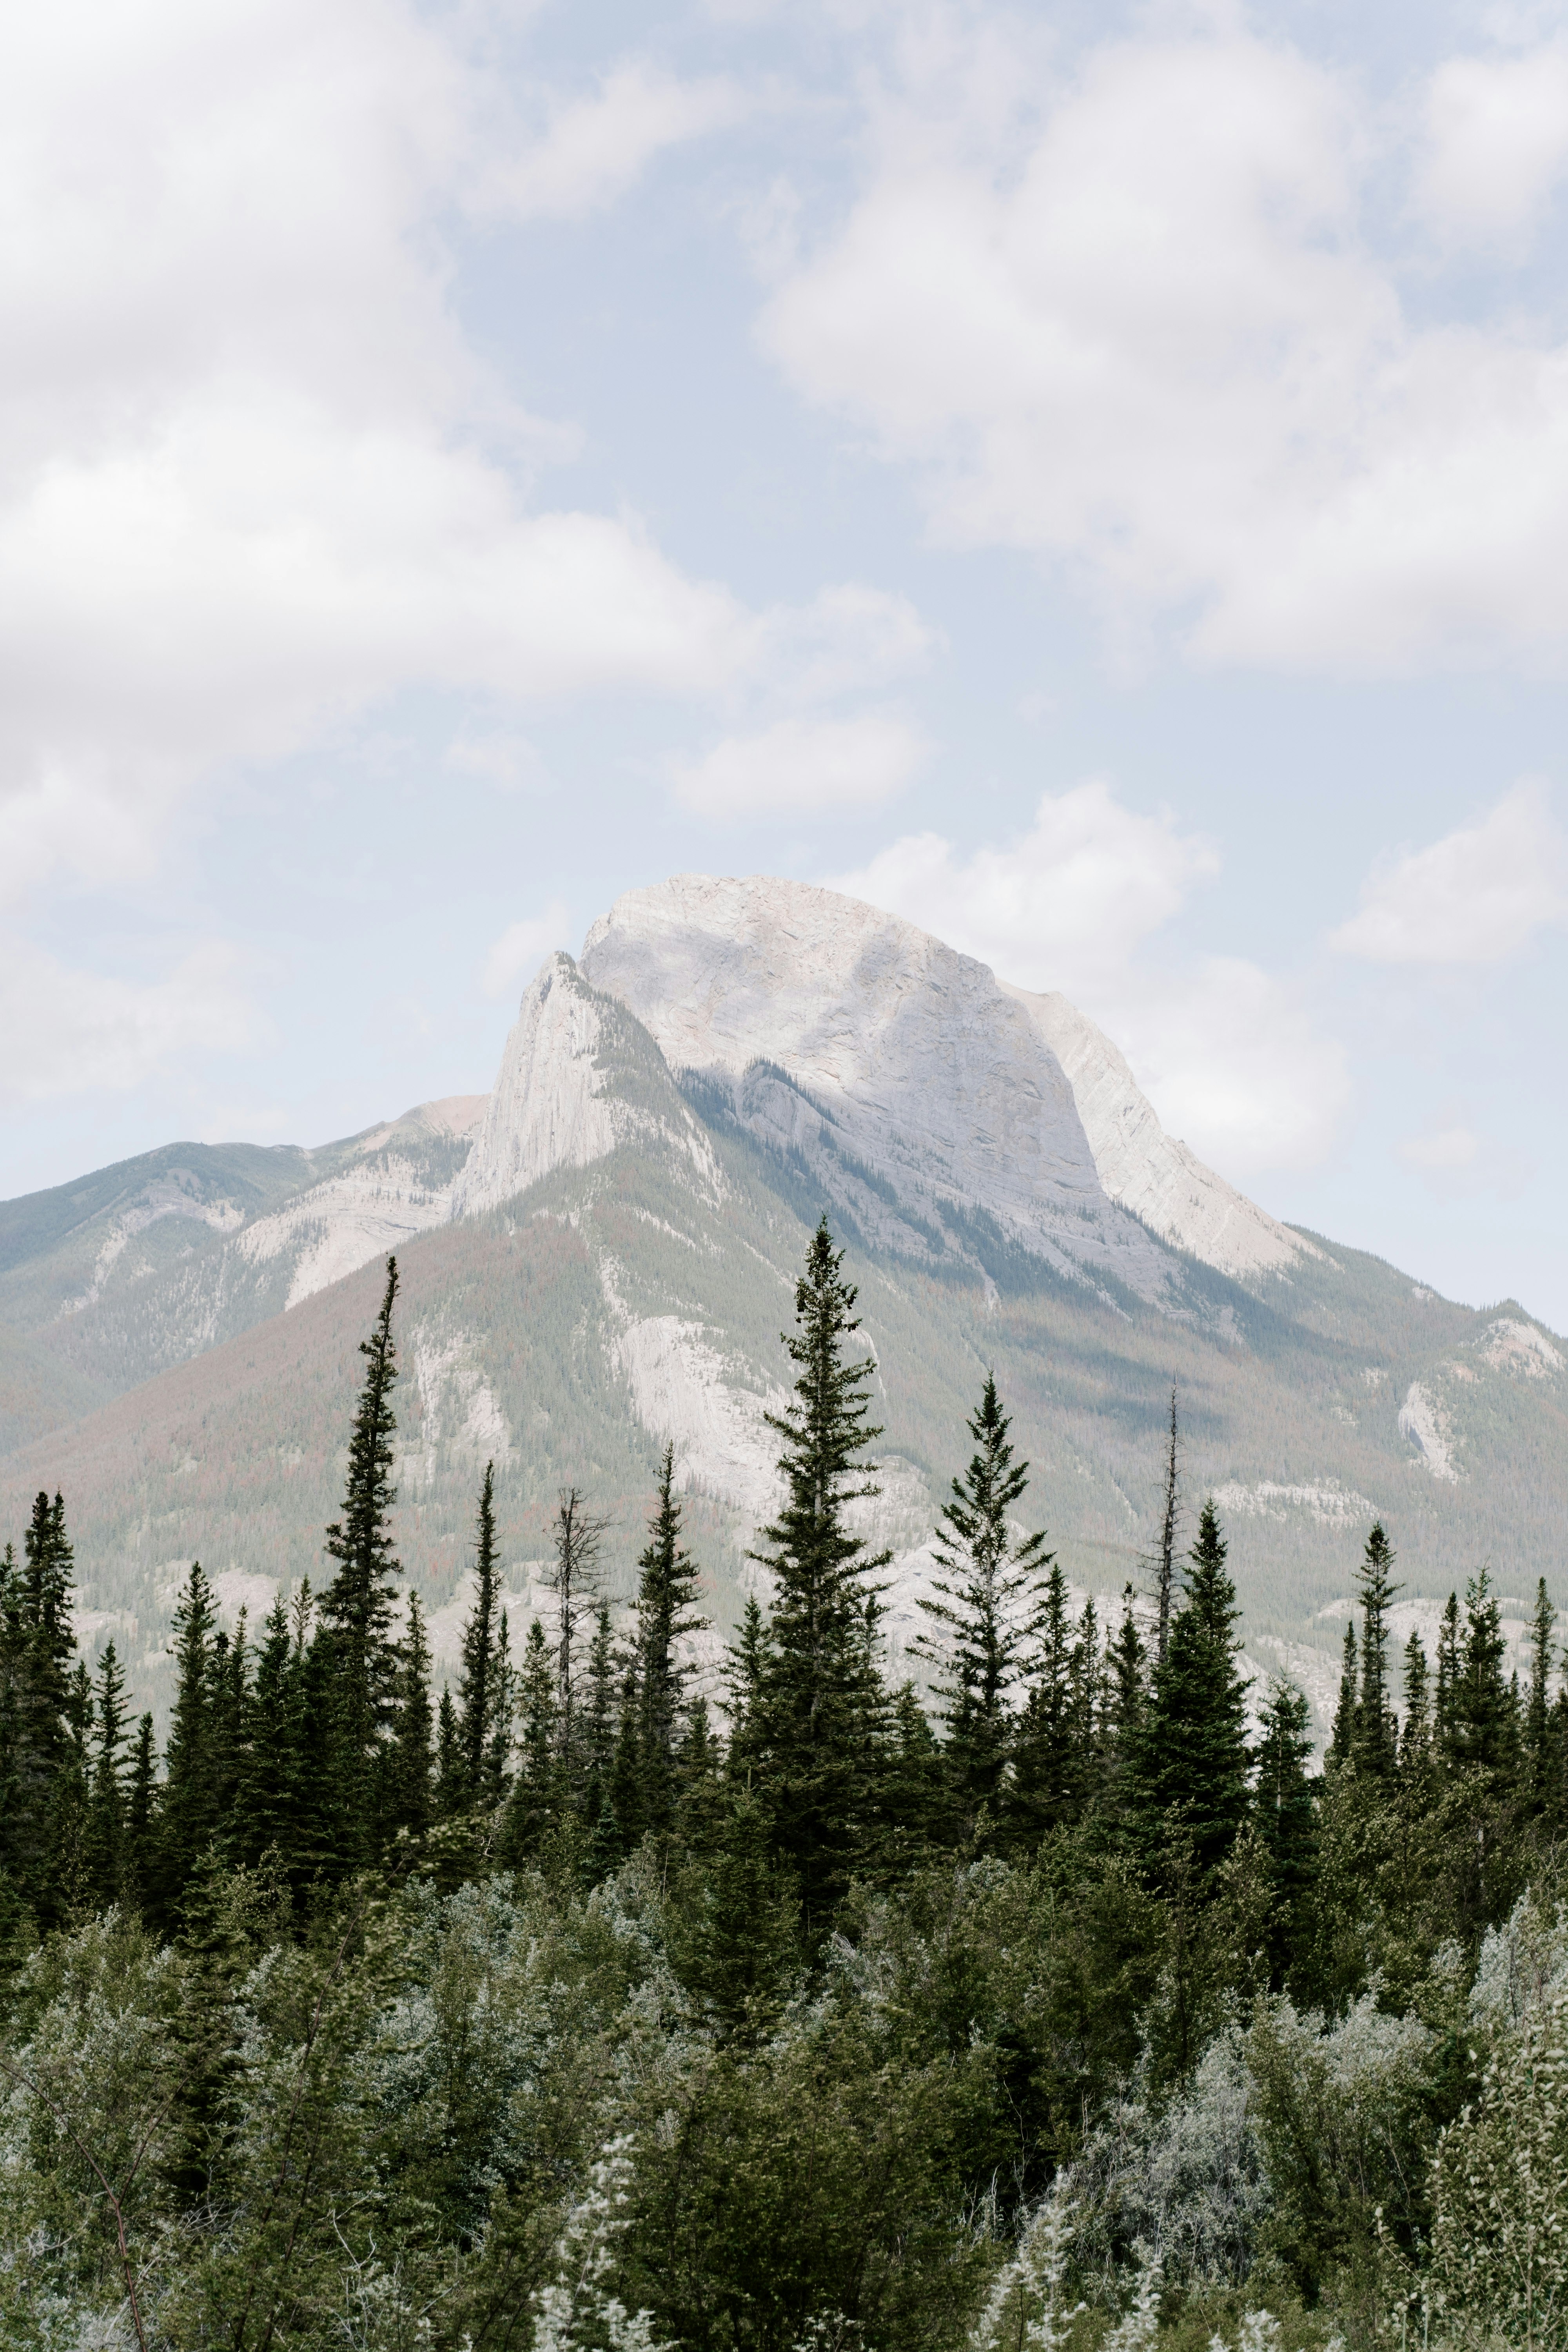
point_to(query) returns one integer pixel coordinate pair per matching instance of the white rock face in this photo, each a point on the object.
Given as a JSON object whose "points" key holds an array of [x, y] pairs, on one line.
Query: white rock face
{"points": [[929, 1073], [1330, 1506], [341, 1226], [685, 1389], [553, 1106], [1147, 1170], [1423, 1421], [1514, 1347]]}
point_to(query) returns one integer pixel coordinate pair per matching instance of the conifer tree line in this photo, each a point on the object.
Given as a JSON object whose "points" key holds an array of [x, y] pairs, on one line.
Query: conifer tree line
{"points": [[1094, 1791]]}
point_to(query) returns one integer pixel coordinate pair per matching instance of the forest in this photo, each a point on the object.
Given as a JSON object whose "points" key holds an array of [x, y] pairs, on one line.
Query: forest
{"points": [[1065, 2006]]}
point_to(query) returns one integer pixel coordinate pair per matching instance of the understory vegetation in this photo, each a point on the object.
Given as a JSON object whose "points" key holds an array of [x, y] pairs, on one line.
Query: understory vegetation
{"points": [[1068, 2009]]}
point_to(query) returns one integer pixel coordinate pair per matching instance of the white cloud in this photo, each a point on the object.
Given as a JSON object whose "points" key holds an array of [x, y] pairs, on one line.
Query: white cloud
{"points": [[1495, 132], [68, 1032], [1476, 896], [252, 476], [815, 764], [1456, 1160], [521, 947], [1231, 1058], [595, 148], [1141, 330], [1064, 907], [1445, 1148], [851, 637]]}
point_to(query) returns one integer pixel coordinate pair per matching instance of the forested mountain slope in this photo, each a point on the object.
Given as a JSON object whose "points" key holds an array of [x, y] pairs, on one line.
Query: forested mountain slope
{"points": [[606, 1258]]}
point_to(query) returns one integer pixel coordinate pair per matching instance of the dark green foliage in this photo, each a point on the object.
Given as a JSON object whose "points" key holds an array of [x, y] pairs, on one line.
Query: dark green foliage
{"points": [[1286, 1817], [484, 1691], [794, 2069], [356, 1608], [1190, 1776], [1051, 1776], [106, 1854], [815, 1717], [1374, 1738], [187, 1813], [667, 1612], [413, 1760], [984, 1611]]}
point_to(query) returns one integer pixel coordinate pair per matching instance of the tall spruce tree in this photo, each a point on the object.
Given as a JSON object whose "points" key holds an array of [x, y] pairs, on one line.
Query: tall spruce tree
{"points": [[1486, 1728], [44, 1763], [1445, 1698], [985, 1610], [1191, 1777], [356, 1609], [412, 1762], [188, 1806], [1051, 1774], [1166, 1567], [1540, 1773], [1286, 1816], [481, 1695], [536, 1804], [818, 1705], [106, 1827], [669, 1581], [1341, 1739], [1416, 1737], [1376, 1742], [572, 1576]]}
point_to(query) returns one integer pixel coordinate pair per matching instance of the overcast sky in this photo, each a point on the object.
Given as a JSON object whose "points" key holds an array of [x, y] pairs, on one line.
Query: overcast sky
{"points": [[1094, 480]]}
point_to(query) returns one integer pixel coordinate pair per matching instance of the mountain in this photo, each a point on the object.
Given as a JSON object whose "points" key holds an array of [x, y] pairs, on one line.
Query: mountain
{"points": [[601, 1254]]}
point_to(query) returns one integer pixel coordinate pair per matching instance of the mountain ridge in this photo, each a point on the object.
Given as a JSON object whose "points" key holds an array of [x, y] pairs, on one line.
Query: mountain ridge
{"points": [[599, 1257]]}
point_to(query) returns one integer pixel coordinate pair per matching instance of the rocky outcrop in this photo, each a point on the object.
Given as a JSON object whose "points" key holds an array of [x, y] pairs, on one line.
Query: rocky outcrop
{"points": [[918, 1078], [577, 1079], [1147, 1170]]}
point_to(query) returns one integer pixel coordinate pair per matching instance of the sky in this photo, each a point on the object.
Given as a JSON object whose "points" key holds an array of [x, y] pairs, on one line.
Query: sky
{"points": [[1093, 480]]}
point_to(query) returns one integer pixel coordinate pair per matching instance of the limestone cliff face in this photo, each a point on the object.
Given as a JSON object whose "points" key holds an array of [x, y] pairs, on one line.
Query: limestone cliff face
{"points": [[1148, 1172], [576, 1080], [909, 1064]]}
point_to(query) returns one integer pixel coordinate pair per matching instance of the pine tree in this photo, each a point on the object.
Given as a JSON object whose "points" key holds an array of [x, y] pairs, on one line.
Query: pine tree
{"points": [[68, 1814], [819, 1698], [480, 1691], [1485, 1717], [1540, 1773], [1283, 1809], [1445, 1700], [106, 1826], [270, 1793], [667, 1585], [916, 1796], [43, 1644], [535, 1806], [573, 1576], [628, 1777], [356, 1609], [599, 1724], [1127, 1672], [1191, 1774], [451, 1762], [1376, 1735], [744, 1679], [1167, 1564], [412, 1759], [141, 1860], [745, 1950], [1341, 1739], [985, 1610], [1050, 1775], [188, 1813], [1416, 1739]]}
